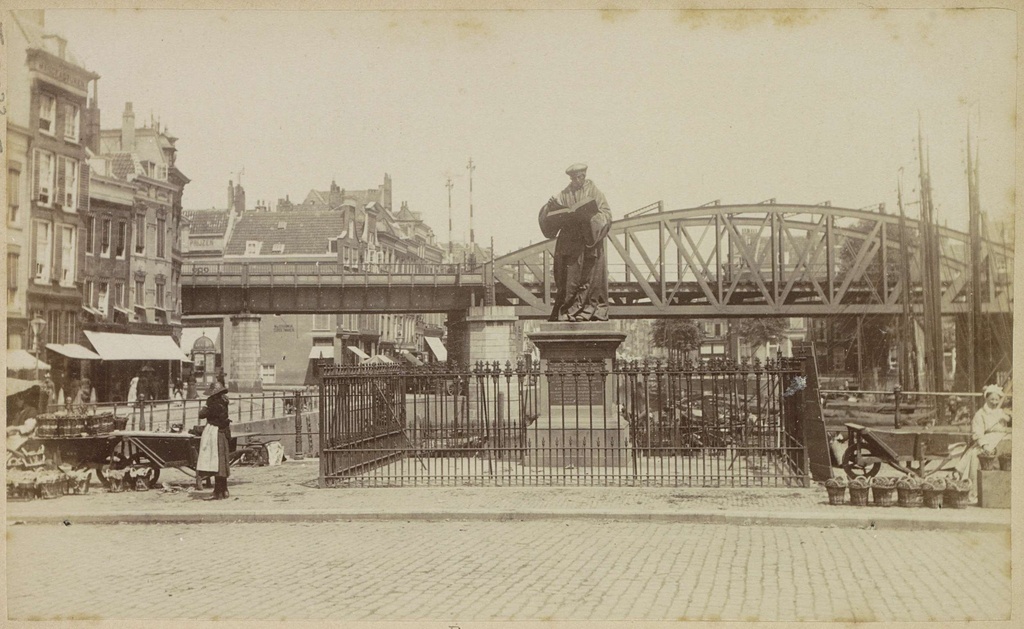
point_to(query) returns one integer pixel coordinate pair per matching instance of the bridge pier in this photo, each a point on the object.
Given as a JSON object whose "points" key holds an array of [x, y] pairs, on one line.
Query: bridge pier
{"points": [[244, 371]]}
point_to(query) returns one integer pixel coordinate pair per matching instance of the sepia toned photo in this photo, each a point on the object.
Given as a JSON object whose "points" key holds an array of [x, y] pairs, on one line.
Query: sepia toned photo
{"points": [[557, 314]]}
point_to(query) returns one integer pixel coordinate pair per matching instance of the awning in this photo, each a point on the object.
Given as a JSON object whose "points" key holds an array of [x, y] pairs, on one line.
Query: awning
{"points": [[92, 311], [21, 360], [124, 311], [412, 360], [321, 351], [73, 350], [16, 386], [358, 352], [111, 346], [437, 347], [379, 359], [189, 336]]}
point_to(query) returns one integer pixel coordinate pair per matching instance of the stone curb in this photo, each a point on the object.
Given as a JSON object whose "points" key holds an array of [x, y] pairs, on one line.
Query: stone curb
{"points": [[871, 522]]}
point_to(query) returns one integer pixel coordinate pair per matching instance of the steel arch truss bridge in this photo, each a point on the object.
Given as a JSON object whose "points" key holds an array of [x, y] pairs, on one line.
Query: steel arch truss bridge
{"points": [[777, 260]]}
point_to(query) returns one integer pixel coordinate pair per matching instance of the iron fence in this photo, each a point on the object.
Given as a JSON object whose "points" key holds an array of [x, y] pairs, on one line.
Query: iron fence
{"points": [[709, 423]]}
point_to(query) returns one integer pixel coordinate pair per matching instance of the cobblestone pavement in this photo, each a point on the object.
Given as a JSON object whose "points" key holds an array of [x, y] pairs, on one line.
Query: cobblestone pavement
{"points": [[459, 571]]}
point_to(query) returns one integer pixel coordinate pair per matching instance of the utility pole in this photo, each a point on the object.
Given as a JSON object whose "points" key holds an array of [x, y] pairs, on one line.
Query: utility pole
{"points": [[449, 185], [472, 238]]}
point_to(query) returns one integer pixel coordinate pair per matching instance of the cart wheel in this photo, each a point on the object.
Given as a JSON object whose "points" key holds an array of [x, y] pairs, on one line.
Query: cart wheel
{"points": [[116, 461], [850, 466], [154, 470]]}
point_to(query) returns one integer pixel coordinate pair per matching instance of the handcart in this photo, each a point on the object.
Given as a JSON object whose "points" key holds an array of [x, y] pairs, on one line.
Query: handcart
{"points": [[82, 452], [155, 451], [920, 451]]}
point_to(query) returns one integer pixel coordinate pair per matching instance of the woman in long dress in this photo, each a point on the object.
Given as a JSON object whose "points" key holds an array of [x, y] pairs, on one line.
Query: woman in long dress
{"points": [[213, 447], [991, 424]]}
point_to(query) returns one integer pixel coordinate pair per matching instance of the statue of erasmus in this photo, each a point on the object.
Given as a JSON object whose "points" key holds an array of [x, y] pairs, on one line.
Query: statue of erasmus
{"points": [[580, 218]]}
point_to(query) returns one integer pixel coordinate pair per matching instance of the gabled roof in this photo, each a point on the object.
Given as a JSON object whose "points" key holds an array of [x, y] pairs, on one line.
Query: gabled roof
{"points": [[207, 222], [307, 233]]}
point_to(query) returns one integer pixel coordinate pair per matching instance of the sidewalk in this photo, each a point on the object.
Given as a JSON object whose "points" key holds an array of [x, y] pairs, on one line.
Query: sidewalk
{"points": [[289, 493]]}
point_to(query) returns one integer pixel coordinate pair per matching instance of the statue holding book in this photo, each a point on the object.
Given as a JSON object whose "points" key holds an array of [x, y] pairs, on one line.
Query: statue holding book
{"points": [[579, 217]]}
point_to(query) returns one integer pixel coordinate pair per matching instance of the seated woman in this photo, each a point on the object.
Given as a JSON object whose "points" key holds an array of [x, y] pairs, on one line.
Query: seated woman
{"points": [[991, 424]]}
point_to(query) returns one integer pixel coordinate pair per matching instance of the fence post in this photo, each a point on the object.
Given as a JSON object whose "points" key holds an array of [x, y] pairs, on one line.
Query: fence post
{"points": [[297, 411], [896, 393]]}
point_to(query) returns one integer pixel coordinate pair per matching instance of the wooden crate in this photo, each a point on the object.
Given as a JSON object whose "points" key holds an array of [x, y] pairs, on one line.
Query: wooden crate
{"points": [[994, 489]]}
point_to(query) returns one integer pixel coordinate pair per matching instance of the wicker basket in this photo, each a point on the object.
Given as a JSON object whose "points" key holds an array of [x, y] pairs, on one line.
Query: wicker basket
{"points": [[909, 497], [859, 496], [836, 495], [956, 499], [52, 489], [933, 498], [883, 496], [988, 462], [1004, 462]]}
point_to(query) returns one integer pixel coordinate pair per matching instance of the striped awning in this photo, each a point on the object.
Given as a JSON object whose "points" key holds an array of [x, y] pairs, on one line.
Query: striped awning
{"points": [[112, 346]]}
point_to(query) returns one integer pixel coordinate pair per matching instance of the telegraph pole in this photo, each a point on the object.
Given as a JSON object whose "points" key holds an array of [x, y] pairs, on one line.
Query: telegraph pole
{"points": [[472, 238], [449, 186]]}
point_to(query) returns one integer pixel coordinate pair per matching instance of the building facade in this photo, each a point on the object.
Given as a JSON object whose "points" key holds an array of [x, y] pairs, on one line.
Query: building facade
{"points": [[51, 103]]}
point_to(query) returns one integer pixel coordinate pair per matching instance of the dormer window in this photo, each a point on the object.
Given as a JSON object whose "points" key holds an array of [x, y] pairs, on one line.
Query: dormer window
{"points": [[282, 224], [252, 247], [278, 247], [47, 114]]}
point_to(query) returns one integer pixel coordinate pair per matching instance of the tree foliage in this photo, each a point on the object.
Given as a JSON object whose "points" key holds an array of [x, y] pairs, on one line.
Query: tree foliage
{"points": [[677, 334], [758, 331]]}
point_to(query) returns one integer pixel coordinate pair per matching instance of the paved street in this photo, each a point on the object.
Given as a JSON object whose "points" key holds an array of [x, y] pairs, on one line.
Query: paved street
{"points": [[460, 571]]}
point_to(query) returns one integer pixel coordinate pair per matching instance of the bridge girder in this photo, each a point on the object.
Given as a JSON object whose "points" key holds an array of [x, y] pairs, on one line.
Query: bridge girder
{"points": [[710, 262]]}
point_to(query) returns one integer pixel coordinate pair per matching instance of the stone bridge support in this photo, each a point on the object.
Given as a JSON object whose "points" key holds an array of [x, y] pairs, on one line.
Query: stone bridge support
{"points": [[243, 372]]}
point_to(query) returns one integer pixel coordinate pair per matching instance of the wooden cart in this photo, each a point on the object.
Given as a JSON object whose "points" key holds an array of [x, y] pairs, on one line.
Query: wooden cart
{"points": [[917, 450]]}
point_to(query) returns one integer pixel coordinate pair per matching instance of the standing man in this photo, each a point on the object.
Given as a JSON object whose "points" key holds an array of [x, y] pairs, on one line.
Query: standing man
{"points": [[580, 218]]}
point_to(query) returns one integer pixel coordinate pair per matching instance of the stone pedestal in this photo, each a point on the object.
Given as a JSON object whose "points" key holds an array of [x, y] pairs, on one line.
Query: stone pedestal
{"points": [[244, 369], [577, 423], [484, 334]]}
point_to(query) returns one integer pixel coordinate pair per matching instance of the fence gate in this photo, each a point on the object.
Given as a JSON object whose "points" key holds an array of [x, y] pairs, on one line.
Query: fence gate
{"points": [[709, 423]]}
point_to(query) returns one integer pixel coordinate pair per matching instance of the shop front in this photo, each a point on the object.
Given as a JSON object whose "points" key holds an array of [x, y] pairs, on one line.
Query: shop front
{"points": [[155, 360]]}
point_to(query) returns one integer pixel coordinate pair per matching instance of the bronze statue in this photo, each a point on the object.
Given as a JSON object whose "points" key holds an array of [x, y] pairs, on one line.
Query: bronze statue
{"points": [[580, 218]]}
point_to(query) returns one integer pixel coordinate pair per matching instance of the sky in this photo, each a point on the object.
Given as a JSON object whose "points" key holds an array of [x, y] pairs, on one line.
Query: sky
{"points": [[682, 107]]}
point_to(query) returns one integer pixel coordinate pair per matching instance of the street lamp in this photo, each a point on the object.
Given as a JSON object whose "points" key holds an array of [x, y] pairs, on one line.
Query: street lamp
{"points": [[38, 325]]}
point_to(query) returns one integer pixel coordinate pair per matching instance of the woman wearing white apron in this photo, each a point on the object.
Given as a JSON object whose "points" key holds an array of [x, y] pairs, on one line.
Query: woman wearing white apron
{"points": [[991, 424], [213, 447]]}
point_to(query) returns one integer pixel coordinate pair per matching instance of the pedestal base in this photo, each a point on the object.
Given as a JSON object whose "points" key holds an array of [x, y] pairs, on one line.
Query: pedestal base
{"points": [[577, 423], [579, 447], [994, 489]]}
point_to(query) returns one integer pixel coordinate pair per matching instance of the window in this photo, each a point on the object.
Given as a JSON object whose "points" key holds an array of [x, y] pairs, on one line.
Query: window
{"points": [[105, 236], [90, 234], [718, 329], [89, 292], [47, 113], [52, 332], [140, 290], [122, 239], [252, 247], [104, 298], [268, 373], [68, 255], [161, 237], [45, 173], [160, 295], [321, 322], [13, 194], [119, 294], [70, 199], [71, 122], [140, 233], [278, 248], [44, 251], [12, 271]]}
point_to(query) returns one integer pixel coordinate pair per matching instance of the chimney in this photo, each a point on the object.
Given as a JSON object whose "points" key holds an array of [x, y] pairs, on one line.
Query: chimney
{"points": [[239, 198], [231, 195], [128, 129]]}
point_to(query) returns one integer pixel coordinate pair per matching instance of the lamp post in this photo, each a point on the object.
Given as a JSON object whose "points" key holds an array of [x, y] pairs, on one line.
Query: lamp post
{"points": [[38, 325]]}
